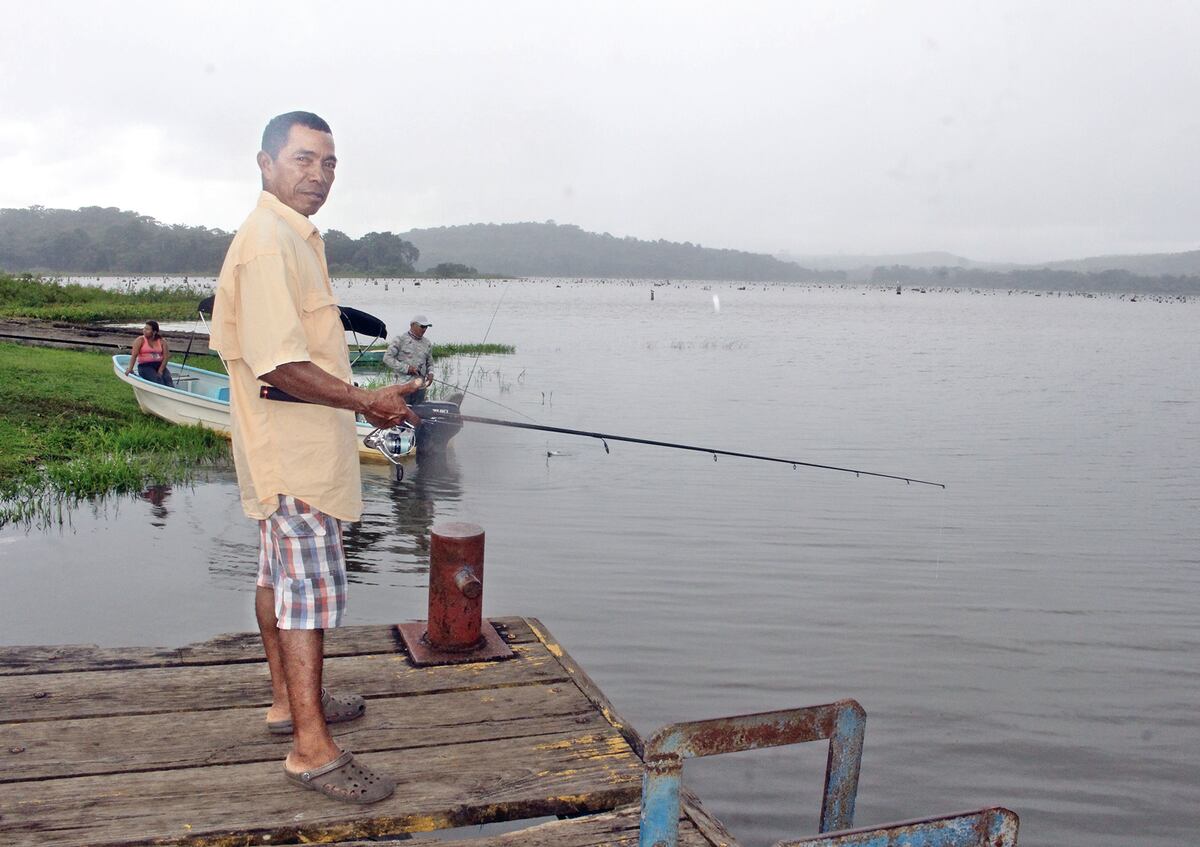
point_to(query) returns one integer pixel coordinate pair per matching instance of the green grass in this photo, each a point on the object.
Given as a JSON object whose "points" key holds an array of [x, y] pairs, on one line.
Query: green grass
{"points": [[441, 351], [198, 360], [455, 348], [27, 296], [69, 430]]}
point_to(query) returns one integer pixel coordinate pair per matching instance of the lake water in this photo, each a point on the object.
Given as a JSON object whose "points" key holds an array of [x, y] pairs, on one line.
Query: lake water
{"points": [[1027, 637]]}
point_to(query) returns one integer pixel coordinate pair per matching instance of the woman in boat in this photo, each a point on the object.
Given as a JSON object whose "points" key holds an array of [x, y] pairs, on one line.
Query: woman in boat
{"points": [[150, 356]]}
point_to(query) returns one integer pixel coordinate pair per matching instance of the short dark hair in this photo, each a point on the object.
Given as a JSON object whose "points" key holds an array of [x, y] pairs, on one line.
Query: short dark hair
{"points": [[280, 126], [153, 328]]}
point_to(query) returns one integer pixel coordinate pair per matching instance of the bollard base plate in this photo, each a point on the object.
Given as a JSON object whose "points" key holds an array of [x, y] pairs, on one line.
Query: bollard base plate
{"points": [[491, 647]]}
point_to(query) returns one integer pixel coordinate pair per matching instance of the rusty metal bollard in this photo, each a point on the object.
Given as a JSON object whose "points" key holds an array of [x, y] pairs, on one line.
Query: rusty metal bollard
{"points": [[456, 630]]}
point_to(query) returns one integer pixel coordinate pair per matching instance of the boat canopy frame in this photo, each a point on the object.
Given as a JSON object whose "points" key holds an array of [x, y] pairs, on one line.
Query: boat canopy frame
{"points": [[354, 321]]}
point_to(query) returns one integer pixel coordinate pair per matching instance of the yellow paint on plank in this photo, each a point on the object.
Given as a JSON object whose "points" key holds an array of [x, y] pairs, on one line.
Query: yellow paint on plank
{"points": [[568, 743], [543, 637]]}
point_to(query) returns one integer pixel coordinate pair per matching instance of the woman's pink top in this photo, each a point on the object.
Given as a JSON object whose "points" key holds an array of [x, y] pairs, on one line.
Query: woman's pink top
{"points": [[149, 354]]}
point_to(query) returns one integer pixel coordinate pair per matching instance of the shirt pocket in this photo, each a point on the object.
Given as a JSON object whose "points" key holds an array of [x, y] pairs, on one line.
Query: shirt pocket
{"points": [[323, 330], [316, 300]]}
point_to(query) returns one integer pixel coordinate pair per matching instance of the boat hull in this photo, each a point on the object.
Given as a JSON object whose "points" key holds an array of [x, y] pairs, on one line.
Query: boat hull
{"points": [[201, 398]]}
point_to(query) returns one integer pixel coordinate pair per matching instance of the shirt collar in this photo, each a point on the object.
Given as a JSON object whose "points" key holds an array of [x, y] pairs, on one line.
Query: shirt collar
{"points": [[302, 225]]}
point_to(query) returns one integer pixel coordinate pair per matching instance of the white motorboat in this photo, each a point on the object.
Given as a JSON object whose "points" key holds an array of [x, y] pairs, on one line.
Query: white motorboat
{"points": [[202, 397]]}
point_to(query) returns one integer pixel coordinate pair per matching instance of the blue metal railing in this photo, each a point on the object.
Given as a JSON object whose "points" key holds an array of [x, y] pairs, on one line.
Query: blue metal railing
{"points": [[843, 723]]}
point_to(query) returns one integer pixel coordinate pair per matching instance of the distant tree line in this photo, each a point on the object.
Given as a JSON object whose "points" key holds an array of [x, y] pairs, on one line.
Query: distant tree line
{"points": [[1036, 279], [95, 240], [552, 249]]}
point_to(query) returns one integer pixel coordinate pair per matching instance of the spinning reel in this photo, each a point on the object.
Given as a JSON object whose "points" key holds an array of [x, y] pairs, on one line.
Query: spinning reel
{"points": [[392, 442]]}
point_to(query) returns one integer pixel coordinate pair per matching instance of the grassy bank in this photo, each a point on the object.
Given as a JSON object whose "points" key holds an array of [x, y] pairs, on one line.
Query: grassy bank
{"points": [[70, 430], [27, 296]]}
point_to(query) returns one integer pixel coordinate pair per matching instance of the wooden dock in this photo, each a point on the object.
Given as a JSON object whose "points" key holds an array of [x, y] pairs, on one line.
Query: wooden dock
{"points": [[92, 337], [169, 746]]}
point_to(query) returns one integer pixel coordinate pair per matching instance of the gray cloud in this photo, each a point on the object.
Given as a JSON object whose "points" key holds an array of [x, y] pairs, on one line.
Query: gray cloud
{"points": [[996, 130]]}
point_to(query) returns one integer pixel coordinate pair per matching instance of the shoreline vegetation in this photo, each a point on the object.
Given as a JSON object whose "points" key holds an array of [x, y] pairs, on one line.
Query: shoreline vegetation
{"points": [[70, 431], [29, 296]]}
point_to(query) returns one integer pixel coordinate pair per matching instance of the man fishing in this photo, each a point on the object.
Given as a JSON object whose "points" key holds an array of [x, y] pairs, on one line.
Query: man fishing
{"points": [[276, 321], [410, 355]]}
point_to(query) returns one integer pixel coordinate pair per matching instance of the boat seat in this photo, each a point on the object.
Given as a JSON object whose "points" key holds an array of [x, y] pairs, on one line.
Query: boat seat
{"points": [[223, 394]]}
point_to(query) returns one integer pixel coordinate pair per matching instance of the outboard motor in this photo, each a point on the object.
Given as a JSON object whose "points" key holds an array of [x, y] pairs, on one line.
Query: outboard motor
{"points": [[440, 422]]}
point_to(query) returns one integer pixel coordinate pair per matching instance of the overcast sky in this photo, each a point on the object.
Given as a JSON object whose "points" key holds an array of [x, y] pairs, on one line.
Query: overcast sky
{"points": [[996, 130]]}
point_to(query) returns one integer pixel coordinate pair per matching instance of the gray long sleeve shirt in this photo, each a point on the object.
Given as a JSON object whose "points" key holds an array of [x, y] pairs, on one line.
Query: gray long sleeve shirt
{"points": [[405, 351]]}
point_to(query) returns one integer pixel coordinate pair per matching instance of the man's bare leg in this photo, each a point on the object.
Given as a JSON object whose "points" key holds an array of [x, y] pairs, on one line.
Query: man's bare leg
{"points": [[268, 628], [303, 653]]}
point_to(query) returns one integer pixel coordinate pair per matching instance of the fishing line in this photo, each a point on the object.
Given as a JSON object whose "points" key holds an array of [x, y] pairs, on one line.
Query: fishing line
{"points": [[487, 333], [937, 568], [486, 399]]}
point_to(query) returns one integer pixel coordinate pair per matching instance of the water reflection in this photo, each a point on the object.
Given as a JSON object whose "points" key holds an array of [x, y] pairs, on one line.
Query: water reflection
{"points": [[157, 496], [393, 535]]}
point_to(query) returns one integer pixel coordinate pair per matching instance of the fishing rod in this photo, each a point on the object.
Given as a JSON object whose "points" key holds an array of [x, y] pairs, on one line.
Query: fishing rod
{"points": [[431, 415], [605, 437]]}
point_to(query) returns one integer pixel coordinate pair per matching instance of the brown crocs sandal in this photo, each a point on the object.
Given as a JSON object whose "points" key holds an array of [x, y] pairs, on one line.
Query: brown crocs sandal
{"points": [[346, 780], [338, 709]]}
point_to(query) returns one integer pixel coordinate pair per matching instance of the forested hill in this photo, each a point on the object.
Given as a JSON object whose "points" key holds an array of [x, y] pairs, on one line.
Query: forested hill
{"points": [[109, 240], [550, 249], [105, 240], [97, 240]]}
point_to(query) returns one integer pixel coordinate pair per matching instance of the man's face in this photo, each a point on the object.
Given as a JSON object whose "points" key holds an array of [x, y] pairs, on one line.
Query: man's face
{"points": [[302, 174], [417, 330]]}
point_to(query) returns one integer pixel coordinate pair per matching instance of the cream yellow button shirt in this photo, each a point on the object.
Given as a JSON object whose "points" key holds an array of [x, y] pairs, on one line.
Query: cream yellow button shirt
{"points": [[274, 305]]}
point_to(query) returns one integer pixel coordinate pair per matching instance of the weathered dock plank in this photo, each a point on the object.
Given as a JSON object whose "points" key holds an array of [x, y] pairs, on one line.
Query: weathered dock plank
{"points": [[438, 787], [169, 746], [618, 828], [144, 691], [585, 683], [54, 658], [92, 746], [223, 649]]}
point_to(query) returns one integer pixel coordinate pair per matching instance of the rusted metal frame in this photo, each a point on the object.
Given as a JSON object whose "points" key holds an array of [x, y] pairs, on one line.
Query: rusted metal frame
{"points": [[994, 827], [843, 723]]}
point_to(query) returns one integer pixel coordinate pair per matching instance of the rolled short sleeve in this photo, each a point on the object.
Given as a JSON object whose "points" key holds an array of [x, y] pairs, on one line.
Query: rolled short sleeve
{"points": [[270, 332]]}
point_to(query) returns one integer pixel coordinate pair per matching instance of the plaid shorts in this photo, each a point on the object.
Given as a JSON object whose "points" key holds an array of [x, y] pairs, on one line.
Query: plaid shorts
{"points": [[300, 556]]}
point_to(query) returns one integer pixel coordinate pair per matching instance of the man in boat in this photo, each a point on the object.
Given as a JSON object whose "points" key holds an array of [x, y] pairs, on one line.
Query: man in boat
{"points": [[410, 355], [276, 323]]}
